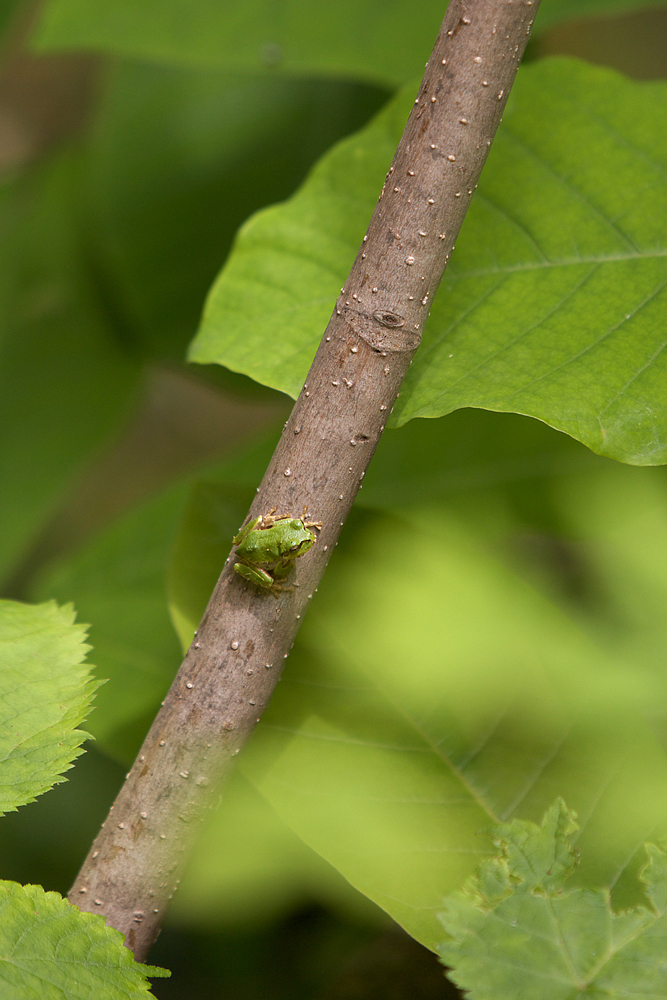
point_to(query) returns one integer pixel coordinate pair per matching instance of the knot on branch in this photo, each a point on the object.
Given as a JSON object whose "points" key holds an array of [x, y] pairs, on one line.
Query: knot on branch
{"points": [[383, 330]]}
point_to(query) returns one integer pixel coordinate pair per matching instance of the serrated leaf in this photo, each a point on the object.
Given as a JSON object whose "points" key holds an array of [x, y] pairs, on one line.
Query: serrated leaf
{"points": [[538, 939], [387, 42], [45, 692], [51, 950], [554, 303]]}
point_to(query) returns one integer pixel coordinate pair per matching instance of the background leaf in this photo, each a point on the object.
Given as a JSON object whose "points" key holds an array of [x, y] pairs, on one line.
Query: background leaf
{"points": [[355, 38], [119, 581], [177, 159], [554, 302], [53, 951], [66, 383], [352, 39], [45, 692], [249, 868]]}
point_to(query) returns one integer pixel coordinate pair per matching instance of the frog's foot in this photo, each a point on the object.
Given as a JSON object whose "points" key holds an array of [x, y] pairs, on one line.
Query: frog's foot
{"points": [[267, 520], [309, 524]]}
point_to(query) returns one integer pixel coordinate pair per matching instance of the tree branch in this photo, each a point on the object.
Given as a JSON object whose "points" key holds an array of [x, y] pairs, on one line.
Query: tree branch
{"points": [[236, 658]]}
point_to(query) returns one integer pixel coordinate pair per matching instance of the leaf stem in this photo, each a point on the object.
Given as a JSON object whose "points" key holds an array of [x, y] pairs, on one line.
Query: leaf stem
{"points": [[236, 658]]}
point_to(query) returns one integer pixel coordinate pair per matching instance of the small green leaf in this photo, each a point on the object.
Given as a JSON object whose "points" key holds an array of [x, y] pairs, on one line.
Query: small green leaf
{"points": [[45, 692], [555, 301], [387, 42], [518, 931], [52, 950]]}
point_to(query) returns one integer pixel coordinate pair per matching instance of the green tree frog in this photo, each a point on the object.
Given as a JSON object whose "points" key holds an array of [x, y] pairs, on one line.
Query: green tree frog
{"points": [[267, 547]]}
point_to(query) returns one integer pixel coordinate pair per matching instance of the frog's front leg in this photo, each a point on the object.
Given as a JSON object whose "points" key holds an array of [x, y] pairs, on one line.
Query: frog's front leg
{"points": [[244, 532]]}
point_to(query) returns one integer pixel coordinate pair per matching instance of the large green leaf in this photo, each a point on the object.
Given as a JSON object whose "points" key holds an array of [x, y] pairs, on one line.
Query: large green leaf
{"points": [[554, 304], [379, 41], [65, 382], [249, 867], [45, 692], [519, 931], [51, 950], [177, 159], [433, 693]]}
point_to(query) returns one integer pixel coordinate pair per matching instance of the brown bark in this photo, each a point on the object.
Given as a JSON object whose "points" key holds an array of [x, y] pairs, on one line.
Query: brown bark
{"points": [[236, 658]]}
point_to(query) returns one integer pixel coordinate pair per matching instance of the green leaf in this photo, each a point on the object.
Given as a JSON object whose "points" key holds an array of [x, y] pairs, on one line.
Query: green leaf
{"points": [[65, 383], [51, 950], [518, 931], [45, 692], [388, 42], [554, 303]]}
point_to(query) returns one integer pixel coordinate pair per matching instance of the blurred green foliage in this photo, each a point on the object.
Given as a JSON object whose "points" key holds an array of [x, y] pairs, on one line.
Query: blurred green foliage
{"points": [[491, 631]]}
